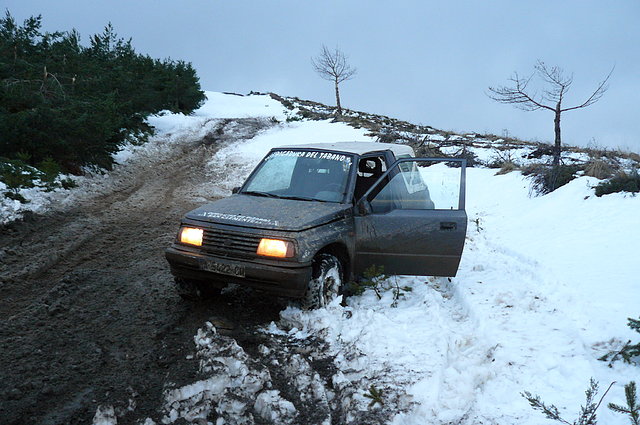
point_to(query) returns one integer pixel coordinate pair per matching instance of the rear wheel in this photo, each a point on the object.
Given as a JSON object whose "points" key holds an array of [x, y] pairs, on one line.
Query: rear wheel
{"points": [[326, 282], [193, 290]]}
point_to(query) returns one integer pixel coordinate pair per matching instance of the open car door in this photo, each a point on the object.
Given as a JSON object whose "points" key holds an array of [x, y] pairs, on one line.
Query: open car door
{"points": [[412, 221]]}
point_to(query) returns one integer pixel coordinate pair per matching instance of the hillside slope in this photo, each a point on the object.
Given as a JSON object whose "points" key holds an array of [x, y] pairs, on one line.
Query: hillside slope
{"points": [[544, 289]]}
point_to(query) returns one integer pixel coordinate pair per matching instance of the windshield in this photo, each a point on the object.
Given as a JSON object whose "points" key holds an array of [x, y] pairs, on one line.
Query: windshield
{"points": [[306, 175]]}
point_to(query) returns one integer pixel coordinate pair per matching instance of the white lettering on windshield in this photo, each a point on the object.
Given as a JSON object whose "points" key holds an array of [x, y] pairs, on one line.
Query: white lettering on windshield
{"points": [[311, 154]]}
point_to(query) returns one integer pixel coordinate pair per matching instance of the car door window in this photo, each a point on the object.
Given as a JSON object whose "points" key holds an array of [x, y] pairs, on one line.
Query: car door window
{"points": [[418, 185], [443, 178]]}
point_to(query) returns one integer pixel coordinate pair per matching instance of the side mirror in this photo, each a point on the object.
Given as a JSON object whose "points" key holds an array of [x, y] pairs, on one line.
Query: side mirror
{"points": [[235, 190], [363, 207]]}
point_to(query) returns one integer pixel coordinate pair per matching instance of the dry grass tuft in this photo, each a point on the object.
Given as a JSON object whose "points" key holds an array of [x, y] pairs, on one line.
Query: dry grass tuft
{"points": [[533, 168], [507, 167], [600, 169]]}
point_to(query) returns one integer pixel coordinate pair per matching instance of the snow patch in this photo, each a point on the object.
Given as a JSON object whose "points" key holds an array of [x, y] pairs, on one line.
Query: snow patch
{"points": [[105, 415], [221, 105], [234, 390]]}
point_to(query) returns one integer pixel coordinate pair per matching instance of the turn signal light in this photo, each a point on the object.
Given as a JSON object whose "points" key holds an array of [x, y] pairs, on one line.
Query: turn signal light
{"points": [[191, 236], [275, 248]]}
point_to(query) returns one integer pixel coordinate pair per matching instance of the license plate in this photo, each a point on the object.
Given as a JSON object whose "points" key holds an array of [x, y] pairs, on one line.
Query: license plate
{"points": [[223, 268]]}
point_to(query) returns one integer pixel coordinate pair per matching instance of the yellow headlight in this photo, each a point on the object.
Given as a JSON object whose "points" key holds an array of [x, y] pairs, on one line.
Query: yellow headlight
{"points": [[191, 236], [275, 248]]}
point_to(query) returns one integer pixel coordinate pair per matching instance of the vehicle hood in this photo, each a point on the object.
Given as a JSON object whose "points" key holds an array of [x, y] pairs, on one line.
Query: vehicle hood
{"points": [[269, 213]]}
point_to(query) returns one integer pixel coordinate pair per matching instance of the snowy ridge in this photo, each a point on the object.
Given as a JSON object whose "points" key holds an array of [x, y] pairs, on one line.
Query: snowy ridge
{"points": [[302, 122]]}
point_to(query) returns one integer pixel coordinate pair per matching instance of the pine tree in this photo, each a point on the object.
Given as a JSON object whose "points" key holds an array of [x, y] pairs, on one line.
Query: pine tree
{"points": [[587, 414], [633, 404], [629, 352], [75, 106]]}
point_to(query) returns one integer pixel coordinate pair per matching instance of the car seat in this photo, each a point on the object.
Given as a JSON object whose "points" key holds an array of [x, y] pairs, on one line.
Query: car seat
{"points": [[371, 166]]}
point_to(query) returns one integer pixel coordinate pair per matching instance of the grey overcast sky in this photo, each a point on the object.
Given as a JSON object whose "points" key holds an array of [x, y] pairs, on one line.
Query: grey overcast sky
{"points": [[428, 62]]}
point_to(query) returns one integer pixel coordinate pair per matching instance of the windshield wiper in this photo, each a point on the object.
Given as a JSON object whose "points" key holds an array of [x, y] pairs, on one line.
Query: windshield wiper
{"points": [[301, 198], [265, 194], [273, 195]]}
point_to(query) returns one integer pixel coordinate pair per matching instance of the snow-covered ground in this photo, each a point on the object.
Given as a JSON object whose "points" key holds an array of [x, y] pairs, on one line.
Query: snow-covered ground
{"points": [[545, 287]]}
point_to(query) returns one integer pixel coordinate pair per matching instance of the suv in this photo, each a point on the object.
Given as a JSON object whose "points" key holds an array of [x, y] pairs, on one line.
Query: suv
{"points": [[312, 217]]}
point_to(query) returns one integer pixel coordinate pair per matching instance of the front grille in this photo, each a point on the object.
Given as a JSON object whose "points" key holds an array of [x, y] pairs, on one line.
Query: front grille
{"points": [[230, 244]]}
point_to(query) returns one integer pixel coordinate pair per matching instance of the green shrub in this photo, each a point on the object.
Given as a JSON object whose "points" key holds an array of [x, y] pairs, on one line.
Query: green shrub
{"points": [[622, 182], [375, 395], [587, 415], [629, 351], [16, 175], [546, 178], [372, 278], [50, 170], [588, 412], [68, 183], [292, 118], [632, 409], [375, 279]]}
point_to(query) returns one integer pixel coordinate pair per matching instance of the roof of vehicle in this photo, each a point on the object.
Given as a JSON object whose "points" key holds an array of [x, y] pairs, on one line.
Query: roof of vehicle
{"points": [[358, 148]]}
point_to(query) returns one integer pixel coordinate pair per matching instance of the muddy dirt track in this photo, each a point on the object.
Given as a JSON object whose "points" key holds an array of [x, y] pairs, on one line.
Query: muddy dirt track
{"points": [[88, 311]]}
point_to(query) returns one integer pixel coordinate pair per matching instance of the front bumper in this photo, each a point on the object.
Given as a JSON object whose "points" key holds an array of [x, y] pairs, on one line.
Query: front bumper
{"points": [[290, 280]]}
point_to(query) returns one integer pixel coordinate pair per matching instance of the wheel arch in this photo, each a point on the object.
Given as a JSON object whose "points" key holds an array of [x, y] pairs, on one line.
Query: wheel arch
{"points": [[340, 251]]}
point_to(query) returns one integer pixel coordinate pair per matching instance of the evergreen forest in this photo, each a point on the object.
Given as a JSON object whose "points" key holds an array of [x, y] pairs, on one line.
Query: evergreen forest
{"points": [[67, 107]]}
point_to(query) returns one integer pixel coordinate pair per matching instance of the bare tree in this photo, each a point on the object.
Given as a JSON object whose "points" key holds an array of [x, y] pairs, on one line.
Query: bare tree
{"points": [[333, 66], [551, 98]]}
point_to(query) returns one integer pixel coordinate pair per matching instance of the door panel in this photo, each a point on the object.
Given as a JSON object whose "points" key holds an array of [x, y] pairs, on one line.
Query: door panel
{"points": [[413, 220]]}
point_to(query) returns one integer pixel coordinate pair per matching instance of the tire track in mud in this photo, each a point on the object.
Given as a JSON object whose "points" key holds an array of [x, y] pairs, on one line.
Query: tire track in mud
{"points": [[74, 319], [82, 237], [89, 313]]}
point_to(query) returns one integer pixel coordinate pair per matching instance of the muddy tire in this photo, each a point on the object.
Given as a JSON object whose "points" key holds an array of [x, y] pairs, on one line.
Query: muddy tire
{"points": [[325, 284], [194, 290]]}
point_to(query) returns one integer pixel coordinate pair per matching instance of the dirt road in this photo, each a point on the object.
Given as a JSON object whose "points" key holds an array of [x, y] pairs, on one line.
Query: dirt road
{"points": [[88, 311]]}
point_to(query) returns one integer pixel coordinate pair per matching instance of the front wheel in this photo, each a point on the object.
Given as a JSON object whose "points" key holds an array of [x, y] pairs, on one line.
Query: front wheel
{"points": [[325, 284], [194, 290]]}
